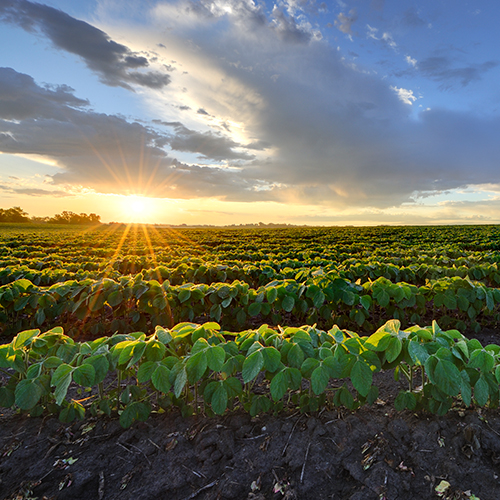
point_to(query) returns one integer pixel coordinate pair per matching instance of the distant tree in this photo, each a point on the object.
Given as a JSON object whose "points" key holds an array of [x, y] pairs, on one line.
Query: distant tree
{"points": [[14, 214], [39, 219], [67, 217]]}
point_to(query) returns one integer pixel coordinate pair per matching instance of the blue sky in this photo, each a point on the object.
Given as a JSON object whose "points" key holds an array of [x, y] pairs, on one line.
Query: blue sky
{"points": [[226, 111]]}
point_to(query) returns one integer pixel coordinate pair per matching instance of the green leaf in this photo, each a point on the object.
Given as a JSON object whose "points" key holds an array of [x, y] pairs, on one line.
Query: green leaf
{"points": [[279, 385], [450, 302], [27, 394], [219, 399], [155, 350], [295, 356], [383, 298], [447, 377], [180, 381], [254, 308], [378, 341], [184, 295], [318, 299], [209, 391], [60, 374], [84, 375], [372, 395], [465, 388], [417, 352], [252, 365], [272, 358], [366, 302], [196, 366], [215, 358], [393, 349], [481, 392], [7, 397], [115, 298], [161, 379], [134, 411], [344, 397], [405, 399], [163, 334], [101, 367], [308, 366], [260, 404], [21, 303], [146, 371], [463, 303], [72, 411], [52, 362], [24, 338], [241, 317], [233, 387], [361, 377], [34, 370], [288, 303], [319, 379], [67, 352], [271, 295], [482, 359]]}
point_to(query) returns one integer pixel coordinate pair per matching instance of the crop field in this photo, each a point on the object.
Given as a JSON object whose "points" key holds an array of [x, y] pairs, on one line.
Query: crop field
{"points": [[135, 321]]}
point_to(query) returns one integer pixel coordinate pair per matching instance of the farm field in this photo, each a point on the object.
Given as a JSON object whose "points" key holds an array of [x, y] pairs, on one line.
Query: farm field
{"points": [[249, 363]]}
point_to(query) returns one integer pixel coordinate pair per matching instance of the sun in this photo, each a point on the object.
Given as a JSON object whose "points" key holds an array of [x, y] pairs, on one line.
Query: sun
{"points": [[137, 209]]}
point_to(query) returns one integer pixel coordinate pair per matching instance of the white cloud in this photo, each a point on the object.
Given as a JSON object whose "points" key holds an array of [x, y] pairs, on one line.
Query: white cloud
{"points": [[411, 61], [405, 95], [344, 22]]}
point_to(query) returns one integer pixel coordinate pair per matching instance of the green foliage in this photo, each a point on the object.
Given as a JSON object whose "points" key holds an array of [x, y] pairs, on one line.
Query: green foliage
{"points": [[173, 364]]}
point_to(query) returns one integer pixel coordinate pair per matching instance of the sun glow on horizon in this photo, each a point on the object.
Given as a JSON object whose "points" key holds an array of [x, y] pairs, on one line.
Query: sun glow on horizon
{"points": [[139, 209]]}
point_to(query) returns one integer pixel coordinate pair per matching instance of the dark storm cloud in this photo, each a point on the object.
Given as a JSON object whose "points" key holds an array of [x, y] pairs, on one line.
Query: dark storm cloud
{"points": [[115, 63]]}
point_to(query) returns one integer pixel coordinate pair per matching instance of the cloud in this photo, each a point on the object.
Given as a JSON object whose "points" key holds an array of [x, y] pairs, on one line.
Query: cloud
{"points": [[443, 69], [386, 38], [344, 22], [405, 95], [33, 101], [411, 61], [115, 63], [55, 193], [208, 144], [99, 151], [289, 118]]}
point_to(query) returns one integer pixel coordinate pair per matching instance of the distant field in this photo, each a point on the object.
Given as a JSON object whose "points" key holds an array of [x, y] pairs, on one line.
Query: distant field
{"points": [[103, 279]]}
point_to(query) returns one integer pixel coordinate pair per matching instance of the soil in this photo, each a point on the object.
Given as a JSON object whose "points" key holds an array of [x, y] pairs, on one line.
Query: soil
{"points": [[373, 453]]}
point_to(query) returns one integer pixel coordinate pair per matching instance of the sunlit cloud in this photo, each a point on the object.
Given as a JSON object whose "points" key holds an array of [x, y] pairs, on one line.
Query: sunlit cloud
{"points": [[248, 102]]}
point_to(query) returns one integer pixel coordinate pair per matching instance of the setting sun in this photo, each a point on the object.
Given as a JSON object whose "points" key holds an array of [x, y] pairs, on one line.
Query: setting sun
{"points": [[138, 209]]}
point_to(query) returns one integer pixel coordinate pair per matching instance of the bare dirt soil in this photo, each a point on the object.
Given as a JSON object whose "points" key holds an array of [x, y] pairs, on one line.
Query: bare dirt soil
{"points": [[373, 453]]}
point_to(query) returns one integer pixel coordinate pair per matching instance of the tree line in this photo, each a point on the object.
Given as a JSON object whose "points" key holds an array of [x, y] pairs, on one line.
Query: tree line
{"points": [[17, 214]]}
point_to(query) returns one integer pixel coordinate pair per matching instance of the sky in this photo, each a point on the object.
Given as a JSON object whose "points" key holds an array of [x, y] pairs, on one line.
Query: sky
{"points": [[346, 112]]}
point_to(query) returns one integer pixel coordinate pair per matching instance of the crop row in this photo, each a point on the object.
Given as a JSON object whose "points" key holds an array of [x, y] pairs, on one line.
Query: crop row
{"points": [[197, 271], [105, 306], [135, 247], [200, 368]]}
